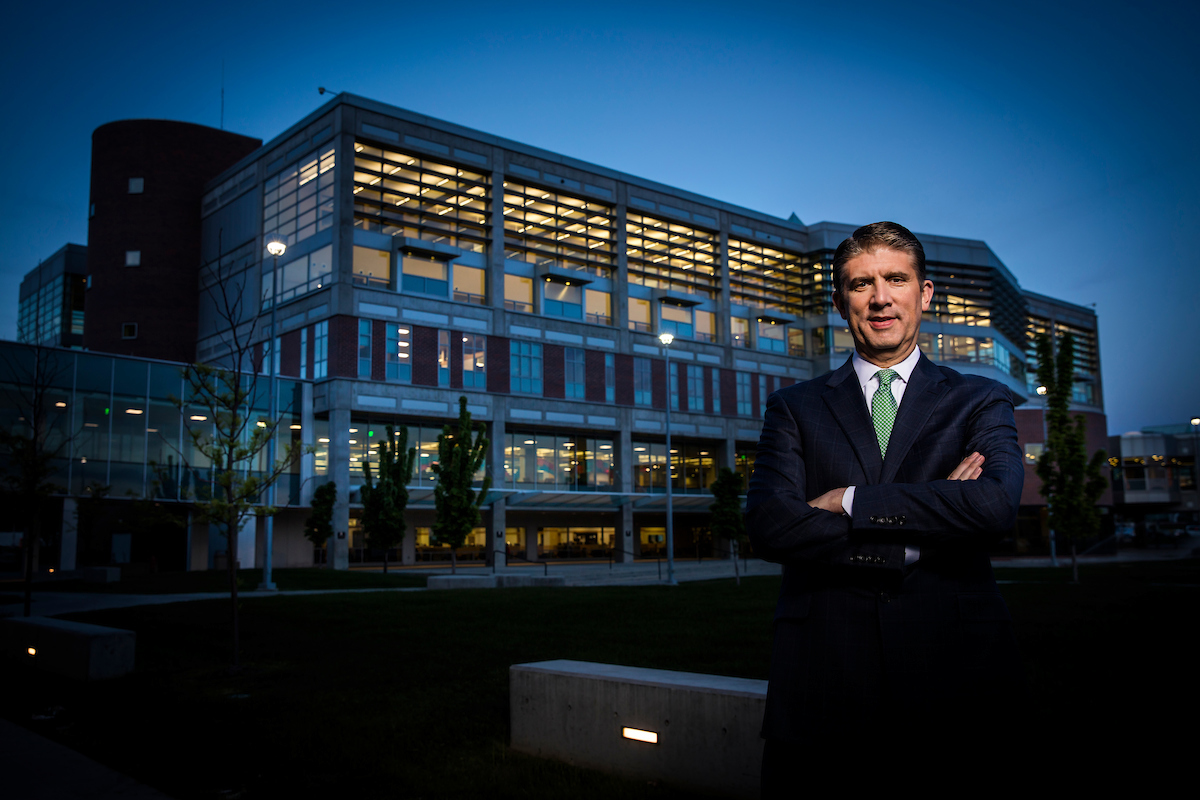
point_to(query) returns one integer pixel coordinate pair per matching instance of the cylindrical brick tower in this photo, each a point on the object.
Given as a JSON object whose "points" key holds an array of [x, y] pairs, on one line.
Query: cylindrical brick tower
{"points": [[148, 178]]}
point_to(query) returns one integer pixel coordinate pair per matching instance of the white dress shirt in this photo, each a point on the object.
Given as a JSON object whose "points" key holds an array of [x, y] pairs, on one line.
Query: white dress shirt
{"points": [[868, 381]]}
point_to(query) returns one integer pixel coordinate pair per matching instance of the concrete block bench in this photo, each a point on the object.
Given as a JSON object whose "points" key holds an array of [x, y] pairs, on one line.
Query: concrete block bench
{"points": [[686, 729], [489, 581], [72, 649]]}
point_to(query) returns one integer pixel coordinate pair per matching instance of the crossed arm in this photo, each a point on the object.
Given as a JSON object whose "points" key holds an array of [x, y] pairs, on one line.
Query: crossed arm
{"points": [[978, 500]]}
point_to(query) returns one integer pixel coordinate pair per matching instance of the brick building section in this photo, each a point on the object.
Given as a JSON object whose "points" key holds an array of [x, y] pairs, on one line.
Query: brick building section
{"points": [[497, 364], [424, 356], [378, 350], [343, 347], [658, 383], [729, 392], [162, 223], [289, 354], [623, 364], [593, 376], [553, 382], [456, 360], [708, 389]]}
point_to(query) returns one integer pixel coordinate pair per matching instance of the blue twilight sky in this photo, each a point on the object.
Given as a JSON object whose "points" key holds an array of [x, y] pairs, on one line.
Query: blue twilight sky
{"points": [[1063, 134]]}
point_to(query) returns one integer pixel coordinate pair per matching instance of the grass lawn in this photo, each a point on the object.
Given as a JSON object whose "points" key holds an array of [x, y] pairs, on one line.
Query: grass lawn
{"points": [[406, 694]]}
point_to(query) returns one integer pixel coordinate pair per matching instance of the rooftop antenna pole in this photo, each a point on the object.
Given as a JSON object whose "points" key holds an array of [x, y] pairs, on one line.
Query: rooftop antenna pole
{"points": [[222, 94]]}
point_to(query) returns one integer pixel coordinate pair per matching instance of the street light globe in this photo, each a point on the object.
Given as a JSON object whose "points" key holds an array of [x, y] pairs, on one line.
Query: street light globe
{"points": [[276, 247], [1196, 422], [666, 338], [1041, 390]]}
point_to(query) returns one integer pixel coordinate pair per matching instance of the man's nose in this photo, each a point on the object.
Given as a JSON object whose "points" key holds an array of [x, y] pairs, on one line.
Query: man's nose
{"points": [[880, 295]]}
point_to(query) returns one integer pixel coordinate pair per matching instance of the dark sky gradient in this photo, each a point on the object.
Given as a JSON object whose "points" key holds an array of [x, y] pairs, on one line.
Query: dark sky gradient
{"points": [[1064, 138]]}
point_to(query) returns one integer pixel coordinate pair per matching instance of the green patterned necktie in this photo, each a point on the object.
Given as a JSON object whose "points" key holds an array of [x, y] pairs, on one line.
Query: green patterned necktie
{"points": [[883, 408]]}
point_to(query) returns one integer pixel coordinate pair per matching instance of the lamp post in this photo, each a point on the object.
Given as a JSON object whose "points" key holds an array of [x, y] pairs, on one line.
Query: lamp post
{"points": [[666, 338], [1041, 390], [1195, 455], [276, 247]]}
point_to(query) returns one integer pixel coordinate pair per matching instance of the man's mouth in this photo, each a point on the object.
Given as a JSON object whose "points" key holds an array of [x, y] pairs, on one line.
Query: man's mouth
{"points": [[879, 323]]}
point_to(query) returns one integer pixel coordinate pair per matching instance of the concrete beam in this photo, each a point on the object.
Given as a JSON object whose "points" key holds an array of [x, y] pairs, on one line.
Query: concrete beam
{"points": [[706, 727], [73, 649]]}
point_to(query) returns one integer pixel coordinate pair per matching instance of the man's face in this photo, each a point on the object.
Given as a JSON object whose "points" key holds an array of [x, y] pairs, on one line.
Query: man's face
{"points": [[882, 299]]}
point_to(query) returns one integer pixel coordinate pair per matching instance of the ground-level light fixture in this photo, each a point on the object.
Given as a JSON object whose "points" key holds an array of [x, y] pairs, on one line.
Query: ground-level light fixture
{"points": [[638, 735]]}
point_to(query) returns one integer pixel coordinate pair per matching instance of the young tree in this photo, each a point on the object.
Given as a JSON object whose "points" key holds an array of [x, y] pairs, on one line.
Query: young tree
{"points": [[385, 501], [460, 455], [33, 438], [728, 521], [319, 525], [227, 432], [1071, 482]]}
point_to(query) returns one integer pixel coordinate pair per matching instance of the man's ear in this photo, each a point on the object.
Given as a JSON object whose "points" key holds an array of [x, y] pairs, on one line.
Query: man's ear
{"points": [[838, 303], [926, 295]]}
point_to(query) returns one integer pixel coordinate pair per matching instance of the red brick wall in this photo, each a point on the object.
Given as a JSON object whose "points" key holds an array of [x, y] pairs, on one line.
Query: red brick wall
{"points": [[553, 383], [497, 364], [624, 370], [708, 389], [593, 361], [343, 347], [378, 350], [424, 355], [289, 354], [658, 383], [456, 359], [163, 223], [728, 393]]}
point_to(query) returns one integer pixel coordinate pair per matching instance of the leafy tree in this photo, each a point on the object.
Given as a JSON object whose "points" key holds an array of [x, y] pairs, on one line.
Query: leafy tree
{"points": [[384, 501], [728, 521], [32, 439], [319, 525], [460, 455], [1071, 482]]}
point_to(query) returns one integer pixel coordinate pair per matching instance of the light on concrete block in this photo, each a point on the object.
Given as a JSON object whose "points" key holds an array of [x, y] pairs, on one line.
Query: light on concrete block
{"points": [[640, 736]]}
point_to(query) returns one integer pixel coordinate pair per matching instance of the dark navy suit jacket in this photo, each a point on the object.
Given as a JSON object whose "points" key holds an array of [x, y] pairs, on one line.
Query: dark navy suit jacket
{"points": [[858, 636]]}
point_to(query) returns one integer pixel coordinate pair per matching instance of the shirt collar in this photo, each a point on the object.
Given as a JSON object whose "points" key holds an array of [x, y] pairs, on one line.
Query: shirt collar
{"points": [[865, 370]]}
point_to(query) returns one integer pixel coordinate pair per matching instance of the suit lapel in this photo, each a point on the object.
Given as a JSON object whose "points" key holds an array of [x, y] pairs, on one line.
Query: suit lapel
{"points": [[844, 398], [925, 390]]}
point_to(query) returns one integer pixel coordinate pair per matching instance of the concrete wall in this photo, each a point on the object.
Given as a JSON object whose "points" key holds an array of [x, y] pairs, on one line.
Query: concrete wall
{"points": [[706, 725]]}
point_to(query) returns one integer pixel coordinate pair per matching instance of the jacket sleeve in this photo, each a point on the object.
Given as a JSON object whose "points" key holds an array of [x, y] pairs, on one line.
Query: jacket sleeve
{"points": [[949, 512], [781, 524]]}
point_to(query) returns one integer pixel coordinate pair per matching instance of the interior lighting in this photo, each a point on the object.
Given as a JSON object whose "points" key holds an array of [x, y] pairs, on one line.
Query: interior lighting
{"points": [[276, 247], [295, 427], [1041, 390], [134, 411], [262, 424], [198, 418], [323, 441], [649, 737], [61, 404], [31, 650]]}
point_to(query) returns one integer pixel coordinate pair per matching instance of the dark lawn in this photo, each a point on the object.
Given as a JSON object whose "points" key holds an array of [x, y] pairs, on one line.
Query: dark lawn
{"points": [[248, 580], [406, 694]]}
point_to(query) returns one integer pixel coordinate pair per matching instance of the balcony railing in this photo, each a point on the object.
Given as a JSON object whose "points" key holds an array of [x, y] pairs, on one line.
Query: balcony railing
{"points": [[466, 297], [517, 305]]}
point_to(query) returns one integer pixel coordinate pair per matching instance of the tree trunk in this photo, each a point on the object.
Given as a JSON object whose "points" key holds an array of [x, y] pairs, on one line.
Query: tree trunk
{"points": [[232, 541], [453, 562], [1074, 564], [737, 575]]}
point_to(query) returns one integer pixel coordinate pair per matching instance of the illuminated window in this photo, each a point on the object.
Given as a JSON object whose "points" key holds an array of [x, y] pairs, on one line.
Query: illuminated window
{"points": [[671, 256], [639, 314], [474, 353], [763, 277], [298, 200], [599, 307], [133, 258], [562, 299], [425, 276], [137, 185], [548, 228], [676, 319], [740, 331], [443, 358], [549, 461], [301, 275], [406, 195], [372, 267], [399, 353], [518, 293], [771, 336], [468, 284]]}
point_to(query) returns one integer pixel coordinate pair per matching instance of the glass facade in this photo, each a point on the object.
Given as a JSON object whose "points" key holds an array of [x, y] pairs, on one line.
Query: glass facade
{"points": [[671, 256], [693, 467], [558, 230], [419, 198], [561, 462], [298, 200], [525, 371]]}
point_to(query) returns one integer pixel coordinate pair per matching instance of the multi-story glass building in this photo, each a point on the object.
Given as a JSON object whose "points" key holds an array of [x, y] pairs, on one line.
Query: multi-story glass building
{"points": [[427, 261]]}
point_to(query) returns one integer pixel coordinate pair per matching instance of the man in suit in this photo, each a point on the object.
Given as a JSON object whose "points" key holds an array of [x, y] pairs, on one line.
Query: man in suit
{"points": [[879, 488]]}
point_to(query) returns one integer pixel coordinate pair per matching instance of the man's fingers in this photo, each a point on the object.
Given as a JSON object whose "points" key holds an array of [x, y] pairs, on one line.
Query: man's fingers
{"points": [[968, 469]]}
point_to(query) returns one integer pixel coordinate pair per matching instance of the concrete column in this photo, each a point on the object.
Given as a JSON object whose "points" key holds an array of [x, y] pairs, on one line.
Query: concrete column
{"points": [[338, 553], [496, 550], [623, 535], [408, 548], [531, 544], [70, 535]]}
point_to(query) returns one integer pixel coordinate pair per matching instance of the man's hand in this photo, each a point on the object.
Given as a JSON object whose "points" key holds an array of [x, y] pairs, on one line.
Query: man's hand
{"points": [[830, 501], [969, 469]]}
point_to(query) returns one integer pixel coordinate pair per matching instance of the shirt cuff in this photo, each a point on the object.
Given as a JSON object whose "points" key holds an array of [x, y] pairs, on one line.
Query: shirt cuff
{"points": [[848, 501]]}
